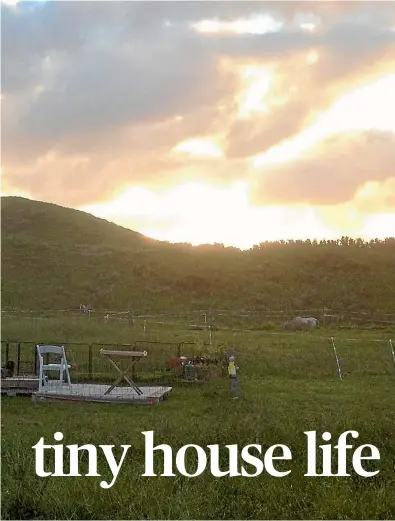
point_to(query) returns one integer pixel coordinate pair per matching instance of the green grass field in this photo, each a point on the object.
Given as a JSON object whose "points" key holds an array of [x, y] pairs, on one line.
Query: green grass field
{"points": [[290, 385]]}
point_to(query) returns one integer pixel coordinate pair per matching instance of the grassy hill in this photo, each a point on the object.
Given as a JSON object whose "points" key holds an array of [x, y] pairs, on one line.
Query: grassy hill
{"points": [[55, 258]]}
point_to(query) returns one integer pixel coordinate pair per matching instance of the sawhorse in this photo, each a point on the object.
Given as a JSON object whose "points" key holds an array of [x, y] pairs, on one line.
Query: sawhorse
{"points": [[134, 356]]}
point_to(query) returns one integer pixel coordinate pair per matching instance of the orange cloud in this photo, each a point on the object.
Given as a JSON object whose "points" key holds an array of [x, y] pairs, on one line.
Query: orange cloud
{"points": [[330, 173]]}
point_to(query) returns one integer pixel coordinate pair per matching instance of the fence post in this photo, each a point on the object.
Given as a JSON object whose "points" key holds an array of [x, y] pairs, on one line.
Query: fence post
{"points": [[7, 351], [337, 359], [36, 371], [90, 360], [392, 350], [131, 319], [18, 359]]}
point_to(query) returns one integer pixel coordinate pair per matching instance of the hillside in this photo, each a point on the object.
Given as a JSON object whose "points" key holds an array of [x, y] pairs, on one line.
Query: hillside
{"points": [[55, 258]]}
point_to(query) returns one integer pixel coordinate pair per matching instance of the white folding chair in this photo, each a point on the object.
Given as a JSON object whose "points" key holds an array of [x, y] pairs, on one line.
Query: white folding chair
{"points": [[62, 366]]}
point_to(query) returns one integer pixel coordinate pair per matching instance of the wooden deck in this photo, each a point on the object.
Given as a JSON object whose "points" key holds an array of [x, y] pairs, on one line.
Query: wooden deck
{"points": [[19, 385], [89, 392]]}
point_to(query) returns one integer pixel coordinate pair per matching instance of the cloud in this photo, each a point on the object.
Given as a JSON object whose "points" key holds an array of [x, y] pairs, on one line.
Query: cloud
{"points": [[376, 197], [96, 68], [97, 94], [72, 179], [302, 88], [331, 173], [103, 88]]}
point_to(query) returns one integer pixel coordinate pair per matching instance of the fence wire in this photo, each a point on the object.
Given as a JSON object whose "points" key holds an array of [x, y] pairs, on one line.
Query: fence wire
{"points": [[259, 355]]}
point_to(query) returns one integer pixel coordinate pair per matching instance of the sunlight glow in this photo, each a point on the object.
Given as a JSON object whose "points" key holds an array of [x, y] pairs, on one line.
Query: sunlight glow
{"points": [[133, 201], [257, 25], [308, 26], [312, 58], [371, 107], [9, 191], [379, 226], [208, 148], [367, 189], [199, 213], [256, 82], [375, 196]]}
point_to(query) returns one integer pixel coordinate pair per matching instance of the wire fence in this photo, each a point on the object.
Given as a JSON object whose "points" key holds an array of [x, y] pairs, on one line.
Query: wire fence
{"points": [[258, 355], [214, 319]]}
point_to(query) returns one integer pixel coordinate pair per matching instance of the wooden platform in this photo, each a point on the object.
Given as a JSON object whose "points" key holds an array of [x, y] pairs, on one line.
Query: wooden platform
{"points": [[19, 385], [89, 392]]}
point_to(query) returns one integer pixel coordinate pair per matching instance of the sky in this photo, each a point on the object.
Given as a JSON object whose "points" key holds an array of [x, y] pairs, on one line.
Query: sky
{"points": [[202, 122]]}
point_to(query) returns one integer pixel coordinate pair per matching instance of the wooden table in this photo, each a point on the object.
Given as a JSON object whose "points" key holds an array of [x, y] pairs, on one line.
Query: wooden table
{"points": [[133, 356]]}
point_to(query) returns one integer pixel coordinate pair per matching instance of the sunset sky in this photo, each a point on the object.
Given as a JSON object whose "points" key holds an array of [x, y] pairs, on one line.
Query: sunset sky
{"points": [[232, 122]]}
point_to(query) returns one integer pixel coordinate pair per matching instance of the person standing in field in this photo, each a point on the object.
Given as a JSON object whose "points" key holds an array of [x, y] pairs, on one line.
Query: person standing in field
{"points": [[232, 371]]}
